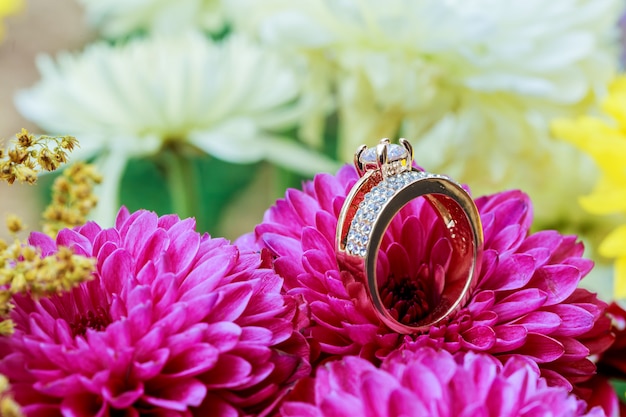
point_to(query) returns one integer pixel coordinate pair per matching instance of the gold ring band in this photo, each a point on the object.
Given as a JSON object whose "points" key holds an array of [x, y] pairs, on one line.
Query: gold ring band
{"points": [[388, 182]]}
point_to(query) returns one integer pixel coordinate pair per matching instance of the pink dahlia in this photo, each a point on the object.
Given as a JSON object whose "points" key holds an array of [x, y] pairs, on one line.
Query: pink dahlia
{"points": [[173, 323], [432, 383], [612, 367], [526, 301]]}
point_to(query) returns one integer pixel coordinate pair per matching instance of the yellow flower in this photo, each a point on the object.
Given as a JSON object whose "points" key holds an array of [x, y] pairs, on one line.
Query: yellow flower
{"points": [[604, 139], [7, 8]]}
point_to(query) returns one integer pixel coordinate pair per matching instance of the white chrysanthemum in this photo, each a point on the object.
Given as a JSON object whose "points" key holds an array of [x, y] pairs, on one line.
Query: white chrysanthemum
{"points": [[472, 83], [226, 99], [115, 18]]}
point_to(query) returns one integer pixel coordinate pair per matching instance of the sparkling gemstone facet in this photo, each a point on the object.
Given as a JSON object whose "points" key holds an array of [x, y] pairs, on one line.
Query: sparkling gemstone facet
{"points": [[394, 153]]}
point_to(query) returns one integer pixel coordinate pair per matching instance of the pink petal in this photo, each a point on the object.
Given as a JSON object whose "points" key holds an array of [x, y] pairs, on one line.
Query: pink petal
{"points": [[479, 338], [575, 320], [229, 372], [232, 302], [181, 340], [59, 387], [519, 303], [482, 301], [376, 390], [224, 336], [74, 240], [175, 226], [317, 262], [282, 245], [513, 272], [558, 282], [399, 261], [556, 379], [509, 337], [215, 406], [543, 322], [312, 239], [541, 239], [441, 253], [81, 405], [326, 189], [207, 276], [169, 220], [117, 271], [182, 251], [193, 361], [154, 245], [43, 242], [541, 348], [303, 205], [415, 231], [122, 216], [134, 232], [574, 350], [151, 366], [178, 396], [326, 225], [296, 409], [123, 399]]}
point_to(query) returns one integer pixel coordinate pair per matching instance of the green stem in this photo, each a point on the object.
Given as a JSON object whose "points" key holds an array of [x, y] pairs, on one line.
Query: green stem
{"points": [[180, 175]]}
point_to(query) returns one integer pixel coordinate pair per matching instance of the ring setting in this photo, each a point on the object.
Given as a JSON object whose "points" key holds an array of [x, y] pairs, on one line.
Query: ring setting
{"points": [[388, 181]]}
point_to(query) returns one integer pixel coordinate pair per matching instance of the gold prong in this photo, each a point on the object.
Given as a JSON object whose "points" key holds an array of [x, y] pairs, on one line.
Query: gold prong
{"points": [[381, 154], [357, 160], [409, 148]]}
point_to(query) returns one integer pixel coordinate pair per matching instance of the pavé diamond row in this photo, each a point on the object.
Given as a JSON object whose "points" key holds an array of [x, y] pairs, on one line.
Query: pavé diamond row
{"points": [[373, 202]]}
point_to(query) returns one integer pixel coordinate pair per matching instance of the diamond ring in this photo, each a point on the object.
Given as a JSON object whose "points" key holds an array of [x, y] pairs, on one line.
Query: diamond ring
{"points": [[389, 182]]}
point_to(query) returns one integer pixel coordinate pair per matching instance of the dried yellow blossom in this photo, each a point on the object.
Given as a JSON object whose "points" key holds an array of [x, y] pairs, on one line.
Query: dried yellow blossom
{"points": [[8, 406], [27, 155], [73, 198], [14, 224], [7, 327], [23, 269]]}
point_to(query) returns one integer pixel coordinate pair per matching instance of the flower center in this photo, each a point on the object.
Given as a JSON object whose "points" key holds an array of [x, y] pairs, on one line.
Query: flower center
{"points": [[405, 298], [97, 320]]}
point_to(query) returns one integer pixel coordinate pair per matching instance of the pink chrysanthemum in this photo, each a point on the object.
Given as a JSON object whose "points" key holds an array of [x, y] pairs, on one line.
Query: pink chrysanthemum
{"points": [[430, 383], [526, 301], [612, 367], [174, 323]]}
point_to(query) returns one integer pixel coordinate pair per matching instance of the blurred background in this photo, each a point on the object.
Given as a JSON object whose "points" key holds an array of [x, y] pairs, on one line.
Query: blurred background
{"points": [[213, 108], [42, 27], [27, 33]]}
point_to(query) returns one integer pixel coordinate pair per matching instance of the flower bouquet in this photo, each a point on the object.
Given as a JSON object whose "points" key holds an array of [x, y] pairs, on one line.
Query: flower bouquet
{"points": [[367, 289]]}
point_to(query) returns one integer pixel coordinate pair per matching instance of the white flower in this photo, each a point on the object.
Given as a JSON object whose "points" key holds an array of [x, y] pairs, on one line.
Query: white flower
{"points": [[472, 83], [227, 99], [117, 18]]}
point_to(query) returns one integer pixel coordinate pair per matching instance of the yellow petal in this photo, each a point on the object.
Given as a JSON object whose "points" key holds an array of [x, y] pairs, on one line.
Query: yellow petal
{"points": [[608, 197], [614, 245], [620, 279], [8, 7]]}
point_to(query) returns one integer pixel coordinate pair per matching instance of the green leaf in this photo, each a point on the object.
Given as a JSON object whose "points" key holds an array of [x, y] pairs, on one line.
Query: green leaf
{"points": [[619, 385]]}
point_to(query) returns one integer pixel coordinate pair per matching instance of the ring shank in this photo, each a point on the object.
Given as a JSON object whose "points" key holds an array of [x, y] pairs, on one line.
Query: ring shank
{"points": [[458, 213]]}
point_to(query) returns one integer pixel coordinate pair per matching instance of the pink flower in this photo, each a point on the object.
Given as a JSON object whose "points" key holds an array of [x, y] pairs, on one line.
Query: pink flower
{"points": [[526, 301], [174, 323], [432, 383], [612, 368]]}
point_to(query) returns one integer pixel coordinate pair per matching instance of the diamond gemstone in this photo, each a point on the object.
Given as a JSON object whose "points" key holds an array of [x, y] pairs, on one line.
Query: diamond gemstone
{"points": [[394, 153]]}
